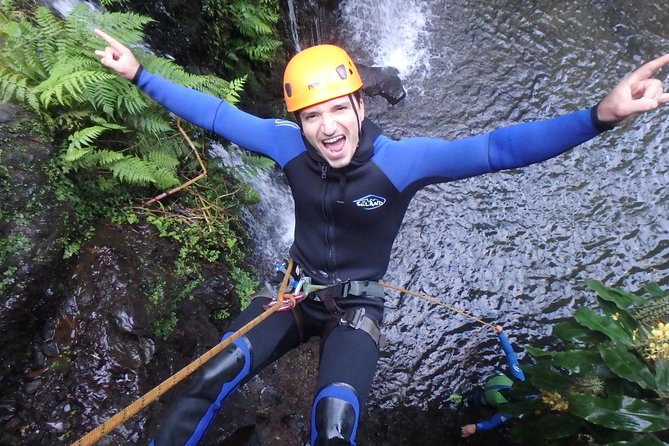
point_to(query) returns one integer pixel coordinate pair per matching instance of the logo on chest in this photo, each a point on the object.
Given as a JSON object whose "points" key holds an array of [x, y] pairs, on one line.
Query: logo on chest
{"points": [[370, 202]]}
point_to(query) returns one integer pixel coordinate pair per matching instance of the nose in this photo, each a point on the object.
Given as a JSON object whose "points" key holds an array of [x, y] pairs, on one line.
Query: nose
{"points": [[328, 125]]}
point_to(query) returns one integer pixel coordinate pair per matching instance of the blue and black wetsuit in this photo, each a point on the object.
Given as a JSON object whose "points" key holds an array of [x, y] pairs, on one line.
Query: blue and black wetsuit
{"points": [[345, 223], [495, 391]]}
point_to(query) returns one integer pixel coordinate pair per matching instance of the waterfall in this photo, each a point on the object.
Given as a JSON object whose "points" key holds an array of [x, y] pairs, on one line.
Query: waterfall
{"points": [[394, 32], [271, 221], [64, 7], [293, 26]]}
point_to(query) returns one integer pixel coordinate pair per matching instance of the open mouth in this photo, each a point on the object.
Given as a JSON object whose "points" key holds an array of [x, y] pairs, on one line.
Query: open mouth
{"points": [[335, 144]]}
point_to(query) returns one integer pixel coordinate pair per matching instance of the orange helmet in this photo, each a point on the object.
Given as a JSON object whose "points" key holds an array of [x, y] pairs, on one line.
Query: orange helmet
{"points": [[318, 74]]}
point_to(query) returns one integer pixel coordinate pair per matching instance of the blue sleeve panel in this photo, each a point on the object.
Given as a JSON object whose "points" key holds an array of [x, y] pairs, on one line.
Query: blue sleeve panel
{"points": [[277, 139], [511, 359], [414, 162], [492, 422]]}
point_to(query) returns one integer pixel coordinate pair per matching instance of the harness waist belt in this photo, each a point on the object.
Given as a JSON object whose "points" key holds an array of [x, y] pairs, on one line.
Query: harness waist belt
{"points": [[360, 288]]}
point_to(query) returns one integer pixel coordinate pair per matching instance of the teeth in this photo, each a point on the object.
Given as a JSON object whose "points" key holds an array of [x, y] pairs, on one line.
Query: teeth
{"points": [[333, 140]]}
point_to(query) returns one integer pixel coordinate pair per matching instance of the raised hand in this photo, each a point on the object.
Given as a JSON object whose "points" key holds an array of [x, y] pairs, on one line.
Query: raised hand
{"points": [[117, 56], [637, 93]]}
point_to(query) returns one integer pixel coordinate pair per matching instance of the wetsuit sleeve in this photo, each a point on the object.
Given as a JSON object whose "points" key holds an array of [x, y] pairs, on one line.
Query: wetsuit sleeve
{"points": [[430, 160], [277, 139], [511, 359], [492, 422]]}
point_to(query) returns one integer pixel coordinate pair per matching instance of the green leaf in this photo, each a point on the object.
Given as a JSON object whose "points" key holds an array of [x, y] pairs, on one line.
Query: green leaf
{"points": [[571, 331], [662, 376], [655, 290], [620, 412], [579, 361], [622, 317], [576, 361], [554, 426], [640, 440], [543, 376], [627, 365], [11, 29], [589, 318], [537, 352], [621, 298]]}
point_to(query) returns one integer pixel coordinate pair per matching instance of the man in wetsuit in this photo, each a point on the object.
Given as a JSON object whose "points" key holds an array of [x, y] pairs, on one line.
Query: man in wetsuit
{"points": [[351, 186], [496, 391]]}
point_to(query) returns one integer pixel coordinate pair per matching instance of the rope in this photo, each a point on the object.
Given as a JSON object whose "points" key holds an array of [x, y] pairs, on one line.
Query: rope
{"points": [[435, 301], [145, 400], [125, 414]]}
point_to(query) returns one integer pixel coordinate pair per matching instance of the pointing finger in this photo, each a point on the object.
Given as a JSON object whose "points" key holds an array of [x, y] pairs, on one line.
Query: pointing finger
{"points": [[664, 99], [109, 39], [649, 69]]}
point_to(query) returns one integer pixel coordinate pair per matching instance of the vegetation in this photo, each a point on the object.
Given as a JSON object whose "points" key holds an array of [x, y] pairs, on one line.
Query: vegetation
{"points": [[610, 383], [118, 148], [251, 34]]}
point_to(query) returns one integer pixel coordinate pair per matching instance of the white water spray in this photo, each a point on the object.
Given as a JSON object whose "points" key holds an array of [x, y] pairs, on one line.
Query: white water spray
{"points": [[293, 26], [271, 220], [394, 32], [65, 7]]}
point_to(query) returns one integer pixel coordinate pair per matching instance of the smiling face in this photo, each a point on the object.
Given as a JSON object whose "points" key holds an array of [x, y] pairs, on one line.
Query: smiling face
{"points": [[332, 127]]}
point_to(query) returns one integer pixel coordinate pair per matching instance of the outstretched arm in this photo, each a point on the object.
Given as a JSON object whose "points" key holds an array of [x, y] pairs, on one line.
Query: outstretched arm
{"points": [[117, 57], [511, 359], [637, 93], [485, 425]]}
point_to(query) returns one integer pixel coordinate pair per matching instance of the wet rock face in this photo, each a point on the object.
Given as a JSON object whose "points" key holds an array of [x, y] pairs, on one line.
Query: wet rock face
{"points": [[78, 338], [382, 81]]}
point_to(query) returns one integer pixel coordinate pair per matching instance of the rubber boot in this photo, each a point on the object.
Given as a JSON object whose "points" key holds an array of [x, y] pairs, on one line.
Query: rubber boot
{"points": [[190, 415], [334, 416]]}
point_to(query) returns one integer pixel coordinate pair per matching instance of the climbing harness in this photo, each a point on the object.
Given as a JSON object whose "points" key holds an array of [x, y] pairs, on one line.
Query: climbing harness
{"points": [[302, 288]]}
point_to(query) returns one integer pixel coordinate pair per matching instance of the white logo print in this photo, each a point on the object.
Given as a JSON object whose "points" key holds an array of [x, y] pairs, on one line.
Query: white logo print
{"points": [[370, 202]]}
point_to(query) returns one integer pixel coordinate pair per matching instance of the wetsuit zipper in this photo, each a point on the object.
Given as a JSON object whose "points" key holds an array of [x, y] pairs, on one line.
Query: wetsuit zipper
{"points": [[329, 224]]}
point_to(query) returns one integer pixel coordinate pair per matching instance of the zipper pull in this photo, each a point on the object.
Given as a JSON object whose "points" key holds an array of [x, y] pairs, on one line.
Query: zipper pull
{"points": [[324, 170]]}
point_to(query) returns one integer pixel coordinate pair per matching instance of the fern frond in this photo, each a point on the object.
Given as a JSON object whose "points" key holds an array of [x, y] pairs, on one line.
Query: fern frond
{"points": [[85, 137], [133, 170], [73, 84], [14, 86], [254, 20], [126, 27], [116, 97], [163, 160], [165, 178], [75, 154], [167, 69], [104, 157], [235, 86], [51, 36], [152, 123], [19, 53]]}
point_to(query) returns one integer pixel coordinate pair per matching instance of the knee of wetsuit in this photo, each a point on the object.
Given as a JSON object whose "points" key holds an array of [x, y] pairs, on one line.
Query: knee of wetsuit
{"points": [[334, 416], [188, 419], [223, 372]]}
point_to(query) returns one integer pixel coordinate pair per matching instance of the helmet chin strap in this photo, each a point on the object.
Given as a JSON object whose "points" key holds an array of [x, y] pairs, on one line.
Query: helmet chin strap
{"points": [[357, 116]]}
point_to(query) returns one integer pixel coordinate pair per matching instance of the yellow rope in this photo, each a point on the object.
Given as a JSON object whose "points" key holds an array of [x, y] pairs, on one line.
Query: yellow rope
{"points": [[435, 301], [125, 414], [145, 400]]}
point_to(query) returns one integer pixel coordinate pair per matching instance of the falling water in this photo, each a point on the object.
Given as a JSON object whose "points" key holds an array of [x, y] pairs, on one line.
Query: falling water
{"points": [[293, 26], [394, 32], [512, 247], [271, 221], [64, 7]]}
